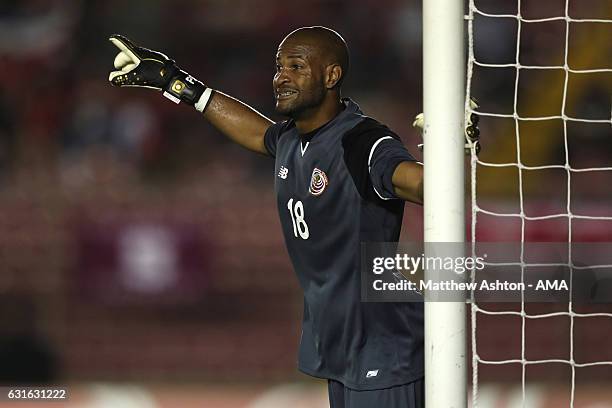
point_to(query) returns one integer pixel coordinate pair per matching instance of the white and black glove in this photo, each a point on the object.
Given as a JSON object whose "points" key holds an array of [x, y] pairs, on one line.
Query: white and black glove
{"points": [[144, 68], [472, 133]]}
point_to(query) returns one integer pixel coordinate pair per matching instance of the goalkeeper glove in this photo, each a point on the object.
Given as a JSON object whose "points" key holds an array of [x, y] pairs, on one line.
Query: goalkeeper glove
{"points": [[472, 133], [141, 67]]}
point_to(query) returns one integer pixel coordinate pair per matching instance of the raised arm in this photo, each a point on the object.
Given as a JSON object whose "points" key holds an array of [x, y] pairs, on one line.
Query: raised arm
{"points": [[141, 67]]}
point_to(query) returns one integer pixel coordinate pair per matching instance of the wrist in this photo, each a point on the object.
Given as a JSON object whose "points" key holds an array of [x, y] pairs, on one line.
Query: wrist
{"points": [[182, 87]]}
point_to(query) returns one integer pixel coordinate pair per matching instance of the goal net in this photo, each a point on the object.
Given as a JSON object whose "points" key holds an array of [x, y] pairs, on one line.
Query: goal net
{"points": [[542, 71]]}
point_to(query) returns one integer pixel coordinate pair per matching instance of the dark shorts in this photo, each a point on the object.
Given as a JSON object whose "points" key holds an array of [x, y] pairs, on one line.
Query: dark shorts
{"points": [[411, 395]]}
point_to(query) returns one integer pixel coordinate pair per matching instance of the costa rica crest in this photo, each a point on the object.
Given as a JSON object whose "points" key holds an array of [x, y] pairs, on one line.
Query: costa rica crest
{"points": [[318, 182]]}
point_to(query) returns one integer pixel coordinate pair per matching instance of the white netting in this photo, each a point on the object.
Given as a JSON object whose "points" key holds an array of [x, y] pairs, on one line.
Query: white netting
{"points": [[521, 167]]}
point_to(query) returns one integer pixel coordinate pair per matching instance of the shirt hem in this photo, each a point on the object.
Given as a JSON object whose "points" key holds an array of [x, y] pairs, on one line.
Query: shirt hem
{"points": [[411, 377]]}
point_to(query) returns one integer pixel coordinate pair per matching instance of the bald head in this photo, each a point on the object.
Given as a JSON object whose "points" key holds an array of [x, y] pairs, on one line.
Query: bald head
{"points": [[311, 63], [330, 45]]}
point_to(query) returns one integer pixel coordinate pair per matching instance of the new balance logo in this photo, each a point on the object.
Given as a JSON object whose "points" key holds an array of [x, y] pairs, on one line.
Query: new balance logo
{"points": [[372, 373], [282, 173]]}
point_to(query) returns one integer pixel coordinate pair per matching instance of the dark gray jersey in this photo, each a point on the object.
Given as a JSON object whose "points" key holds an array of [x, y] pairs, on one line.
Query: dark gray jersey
{"points": [[333, 193]]}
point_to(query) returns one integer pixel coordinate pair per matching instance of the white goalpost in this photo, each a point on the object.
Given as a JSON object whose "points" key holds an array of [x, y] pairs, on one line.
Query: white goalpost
{"points": [[444, 208]]}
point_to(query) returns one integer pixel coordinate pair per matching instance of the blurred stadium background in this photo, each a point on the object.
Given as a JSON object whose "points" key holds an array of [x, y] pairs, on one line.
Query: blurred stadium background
{"points": [[141, 259]]}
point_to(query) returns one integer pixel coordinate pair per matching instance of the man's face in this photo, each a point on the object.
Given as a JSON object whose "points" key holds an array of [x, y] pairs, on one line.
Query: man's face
{"points": [[299, 80]]}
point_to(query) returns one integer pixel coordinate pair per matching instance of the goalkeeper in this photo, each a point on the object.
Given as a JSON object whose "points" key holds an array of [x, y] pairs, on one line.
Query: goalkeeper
{"points": [[341, 178]]}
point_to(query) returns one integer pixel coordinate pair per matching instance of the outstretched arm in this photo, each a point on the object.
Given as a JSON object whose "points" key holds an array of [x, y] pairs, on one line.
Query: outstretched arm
{"points": [[238, 121], [144, 68]]}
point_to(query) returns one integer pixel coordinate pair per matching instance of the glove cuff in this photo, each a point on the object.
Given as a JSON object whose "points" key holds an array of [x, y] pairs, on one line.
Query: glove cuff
{"points": [[182, 87], [202, 103]]}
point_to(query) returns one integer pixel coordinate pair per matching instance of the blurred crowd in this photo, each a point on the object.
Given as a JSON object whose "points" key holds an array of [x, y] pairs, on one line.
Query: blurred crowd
{"points": [[118, 206], [58, 110]]}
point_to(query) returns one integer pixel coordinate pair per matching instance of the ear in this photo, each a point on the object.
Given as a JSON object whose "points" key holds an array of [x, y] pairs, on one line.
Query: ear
{"points": [[333, 74]]}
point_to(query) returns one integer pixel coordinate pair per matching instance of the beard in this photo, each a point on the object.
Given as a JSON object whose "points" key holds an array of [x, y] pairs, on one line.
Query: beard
{"points": [[299, 105]]}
